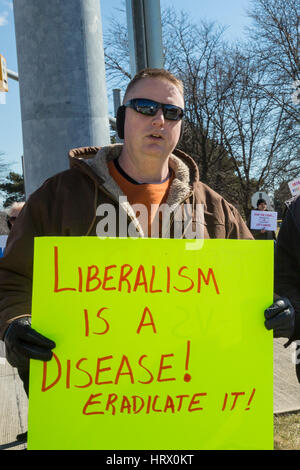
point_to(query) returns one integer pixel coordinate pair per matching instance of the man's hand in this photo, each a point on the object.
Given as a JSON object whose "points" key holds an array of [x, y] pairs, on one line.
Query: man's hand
{"points": [[23, 343], [280, 317]]}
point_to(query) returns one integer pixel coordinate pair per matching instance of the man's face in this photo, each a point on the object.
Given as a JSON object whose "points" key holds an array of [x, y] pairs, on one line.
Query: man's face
{"points": [[152, 135], [262, 206]]}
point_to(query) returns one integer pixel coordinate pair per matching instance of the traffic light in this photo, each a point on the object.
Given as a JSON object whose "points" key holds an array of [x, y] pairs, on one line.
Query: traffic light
{"points": [[3, 74]]}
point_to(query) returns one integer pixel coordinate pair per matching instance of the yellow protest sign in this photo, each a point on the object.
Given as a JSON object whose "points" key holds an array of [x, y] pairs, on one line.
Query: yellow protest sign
{"points": [[158, 346]]}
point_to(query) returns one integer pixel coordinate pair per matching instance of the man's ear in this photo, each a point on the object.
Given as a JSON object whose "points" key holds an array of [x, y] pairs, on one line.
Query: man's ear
{"points": [[120, 121]]}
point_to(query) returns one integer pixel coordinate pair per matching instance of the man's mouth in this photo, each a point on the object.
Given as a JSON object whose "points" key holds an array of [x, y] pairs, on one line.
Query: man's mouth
{"points": [[155, 136]]}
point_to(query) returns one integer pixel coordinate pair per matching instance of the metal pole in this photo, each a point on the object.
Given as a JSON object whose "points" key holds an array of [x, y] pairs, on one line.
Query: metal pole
{"points": [[130, 37], [152, 20], [117, 99], [136, 26], [62, 83], [117, 103], [144, 34], [13, 75]]}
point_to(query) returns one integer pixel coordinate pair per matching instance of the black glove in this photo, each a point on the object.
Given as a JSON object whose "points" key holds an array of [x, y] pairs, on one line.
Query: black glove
{"points": [[280, 317], [23, 343]]}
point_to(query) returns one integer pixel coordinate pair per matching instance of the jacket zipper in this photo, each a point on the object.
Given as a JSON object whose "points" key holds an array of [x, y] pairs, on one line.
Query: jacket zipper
{"points": [[172, 215]]}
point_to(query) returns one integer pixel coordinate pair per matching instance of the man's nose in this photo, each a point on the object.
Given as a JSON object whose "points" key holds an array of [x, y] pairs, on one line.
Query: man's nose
{"points": [[158, 119]]}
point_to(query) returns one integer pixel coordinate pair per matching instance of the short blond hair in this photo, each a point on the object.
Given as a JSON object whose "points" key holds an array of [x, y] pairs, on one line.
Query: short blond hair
{"points": [[16, 206], [155, 73]]}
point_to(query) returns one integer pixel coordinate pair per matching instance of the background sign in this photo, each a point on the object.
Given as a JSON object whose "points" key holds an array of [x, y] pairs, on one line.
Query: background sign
{"points": [[295, 186], [263, 220], [158, 346]]}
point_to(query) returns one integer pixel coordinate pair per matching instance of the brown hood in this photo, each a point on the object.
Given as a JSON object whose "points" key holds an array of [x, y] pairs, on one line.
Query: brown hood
{"points": [[93, 161]]}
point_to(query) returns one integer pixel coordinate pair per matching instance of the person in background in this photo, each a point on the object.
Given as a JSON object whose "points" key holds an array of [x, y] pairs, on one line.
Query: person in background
{"points": [[13, 212], [262, 234]]}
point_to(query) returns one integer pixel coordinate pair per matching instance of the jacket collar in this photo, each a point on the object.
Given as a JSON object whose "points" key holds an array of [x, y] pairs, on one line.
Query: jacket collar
{"points": [[93, 161]]}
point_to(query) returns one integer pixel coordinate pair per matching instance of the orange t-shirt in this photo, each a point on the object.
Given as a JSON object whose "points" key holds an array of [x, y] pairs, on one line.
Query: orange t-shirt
{"points": [[148, 194]]}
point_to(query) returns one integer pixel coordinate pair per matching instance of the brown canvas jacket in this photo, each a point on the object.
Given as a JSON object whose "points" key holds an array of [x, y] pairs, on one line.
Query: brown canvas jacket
{"points": [[66, 205]]}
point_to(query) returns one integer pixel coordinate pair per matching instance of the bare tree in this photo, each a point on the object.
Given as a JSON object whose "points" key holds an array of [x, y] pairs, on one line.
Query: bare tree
{"points": [[228, 110], [192, 52], [116, 49], [253, 128], [275, 34]]}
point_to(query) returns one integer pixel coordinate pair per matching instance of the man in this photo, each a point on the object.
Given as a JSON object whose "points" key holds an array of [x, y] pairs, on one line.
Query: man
{"points": [[263, 234], [284, 315], [146, 169]]}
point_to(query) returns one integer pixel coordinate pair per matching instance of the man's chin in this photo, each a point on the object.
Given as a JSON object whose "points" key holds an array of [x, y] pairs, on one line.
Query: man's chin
{"points": [[156, 150]]}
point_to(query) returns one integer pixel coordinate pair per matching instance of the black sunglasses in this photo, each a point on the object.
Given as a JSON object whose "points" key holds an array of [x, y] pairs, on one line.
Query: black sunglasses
{"points": [[150, 108]]}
